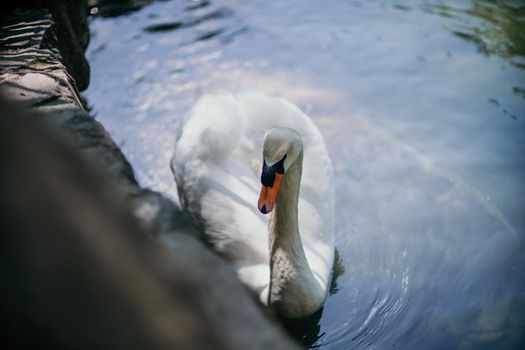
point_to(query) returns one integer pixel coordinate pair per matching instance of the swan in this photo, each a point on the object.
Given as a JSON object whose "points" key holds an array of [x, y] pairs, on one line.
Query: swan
{"points": [[241, 157]]}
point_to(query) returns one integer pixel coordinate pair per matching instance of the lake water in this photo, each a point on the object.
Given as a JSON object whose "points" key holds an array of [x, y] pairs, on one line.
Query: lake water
{"points": [[422, 106]]}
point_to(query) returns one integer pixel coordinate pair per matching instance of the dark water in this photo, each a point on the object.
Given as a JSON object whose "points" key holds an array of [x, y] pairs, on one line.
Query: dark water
{"points": [[422, 105]]}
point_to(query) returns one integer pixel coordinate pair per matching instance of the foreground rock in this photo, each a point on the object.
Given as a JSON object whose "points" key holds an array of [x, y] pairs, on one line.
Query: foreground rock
{"points": [[81, 266]]}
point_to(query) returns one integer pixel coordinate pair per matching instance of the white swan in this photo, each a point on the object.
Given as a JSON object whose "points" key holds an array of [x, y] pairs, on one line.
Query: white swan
{"points": [[286, 257]]}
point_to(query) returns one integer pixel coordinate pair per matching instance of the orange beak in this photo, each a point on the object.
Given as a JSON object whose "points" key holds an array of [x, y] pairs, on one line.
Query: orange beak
{"points": [[268, 195]]}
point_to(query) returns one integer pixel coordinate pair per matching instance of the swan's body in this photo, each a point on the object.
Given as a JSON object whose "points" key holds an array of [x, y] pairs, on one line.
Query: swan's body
{"points": [[286, 257]]}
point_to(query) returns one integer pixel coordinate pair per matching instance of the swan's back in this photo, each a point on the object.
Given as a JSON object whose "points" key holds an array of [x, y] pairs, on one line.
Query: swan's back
{"points": [[217, 164]]}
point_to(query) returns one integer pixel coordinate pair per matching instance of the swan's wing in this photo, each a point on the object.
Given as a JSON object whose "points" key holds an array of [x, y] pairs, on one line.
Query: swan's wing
{"points": [[212, 130], [216, 175]]}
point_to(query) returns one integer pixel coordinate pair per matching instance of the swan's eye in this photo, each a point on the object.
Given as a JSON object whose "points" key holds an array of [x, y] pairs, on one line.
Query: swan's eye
{"points": [[268, 172], [279, 166]]}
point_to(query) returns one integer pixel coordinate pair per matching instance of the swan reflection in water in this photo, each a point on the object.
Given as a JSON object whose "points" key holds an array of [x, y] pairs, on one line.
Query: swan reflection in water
{"points": [[307, 330]]}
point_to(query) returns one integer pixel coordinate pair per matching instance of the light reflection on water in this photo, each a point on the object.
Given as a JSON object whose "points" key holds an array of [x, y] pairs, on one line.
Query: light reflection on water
{"points": [[423, 110]]}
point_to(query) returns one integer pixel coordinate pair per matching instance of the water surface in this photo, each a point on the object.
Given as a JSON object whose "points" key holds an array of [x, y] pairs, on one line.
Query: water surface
{"points": [[422, 106]]}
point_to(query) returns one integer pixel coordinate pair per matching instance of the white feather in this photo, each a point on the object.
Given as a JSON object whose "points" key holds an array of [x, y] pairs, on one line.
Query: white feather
{"points": [[217, 164]]}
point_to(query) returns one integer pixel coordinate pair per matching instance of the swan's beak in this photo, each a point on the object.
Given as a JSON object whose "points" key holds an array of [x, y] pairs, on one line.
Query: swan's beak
{"points": [[268, 195]]}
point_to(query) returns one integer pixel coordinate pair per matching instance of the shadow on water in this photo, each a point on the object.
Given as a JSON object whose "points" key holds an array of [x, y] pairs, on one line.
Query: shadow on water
{"points": [[307, 330], [163, 27], [496, 28], [226, 32], [197, 5], [115, 8], [209, 35], [499, 28], [337, 271]]}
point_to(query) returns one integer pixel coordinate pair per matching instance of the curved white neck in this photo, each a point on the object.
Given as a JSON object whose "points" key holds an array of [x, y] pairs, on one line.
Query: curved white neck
{"points": [[293, 289]]}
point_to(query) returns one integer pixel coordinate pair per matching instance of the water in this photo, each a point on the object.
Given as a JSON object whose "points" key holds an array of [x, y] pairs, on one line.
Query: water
{"points": [[422, 105]]}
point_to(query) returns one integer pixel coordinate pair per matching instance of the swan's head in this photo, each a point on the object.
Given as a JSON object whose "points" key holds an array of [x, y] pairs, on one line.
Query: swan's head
{"points": [[281, 148]]}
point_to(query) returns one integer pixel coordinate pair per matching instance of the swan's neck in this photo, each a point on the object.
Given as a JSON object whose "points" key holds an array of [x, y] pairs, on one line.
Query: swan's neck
{"points": [[293, 289]]}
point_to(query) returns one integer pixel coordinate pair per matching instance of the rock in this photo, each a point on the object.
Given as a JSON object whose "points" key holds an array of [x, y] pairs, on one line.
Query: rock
{"points": [[43, 30], [70, 18], [80, 272], [28, 45]]}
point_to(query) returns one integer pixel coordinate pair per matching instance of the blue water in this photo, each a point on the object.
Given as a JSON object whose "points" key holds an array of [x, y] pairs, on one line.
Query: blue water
{"points": [[422, 106]]}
